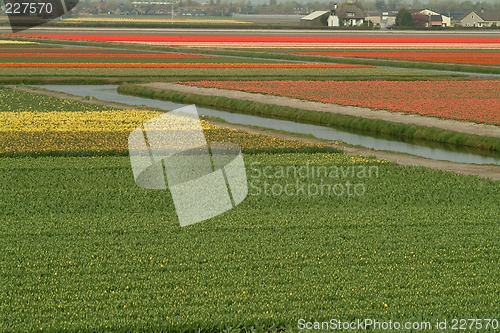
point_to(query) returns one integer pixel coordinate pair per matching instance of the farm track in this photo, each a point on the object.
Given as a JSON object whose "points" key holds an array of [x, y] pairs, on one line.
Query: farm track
{"points": [[485, 171]]}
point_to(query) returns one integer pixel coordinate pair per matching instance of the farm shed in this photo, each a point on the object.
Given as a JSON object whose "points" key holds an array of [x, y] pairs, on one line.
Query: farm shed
{"points": [[317, 18]]}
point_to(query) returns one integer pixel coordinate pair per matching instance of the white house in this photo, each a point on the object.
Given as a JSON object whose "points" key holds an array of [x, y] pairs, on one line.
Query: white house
{"points": [[481, 19], [333, 20], [346, 15], [351, 15]]}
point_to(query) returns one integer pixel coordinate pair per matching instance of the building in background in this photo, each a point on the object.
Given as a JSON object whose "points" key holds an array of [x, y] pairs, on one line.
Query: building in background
{"points": [[316, 19], [429, 18], [348, 15], [388, 20], [480, 19]]}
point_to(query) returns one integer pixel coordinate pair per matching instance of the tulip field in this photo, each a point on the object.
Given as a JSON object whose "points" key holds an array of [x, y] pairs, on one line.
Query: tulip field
{"points": [[69, 128], [477, 101], [38, 60], [464, 57], [181, 65], [148, 20], [323, 236], [247, 41]]}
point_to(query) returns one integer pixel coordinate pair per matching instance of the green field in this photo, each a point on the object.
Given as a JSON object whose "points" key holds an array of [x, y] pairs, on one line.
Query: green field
{"points": [[84, 248]]}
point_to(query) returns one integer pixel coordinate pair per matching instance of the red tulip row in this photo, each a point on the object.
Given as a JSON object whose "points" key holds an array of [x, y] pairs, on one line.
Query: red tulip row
{"points": [[266, 39], [477, 101], [476, 58], [182, 65]]}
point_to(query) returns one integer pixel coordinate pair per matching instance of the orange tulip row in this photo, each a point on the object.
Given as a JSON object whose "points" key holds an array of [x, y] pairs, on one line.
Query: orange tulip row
{"points": [[473, 58], [182, 65], [473, 100]]}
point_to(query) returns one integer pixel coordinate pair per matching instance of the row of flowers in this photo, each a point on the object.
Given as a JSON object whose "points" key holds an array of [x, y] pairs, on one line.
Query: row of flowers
{"points": [[36, 48], [284, 42], [493, 41], [105, 55], [475, 100], [97, 132], [142, 20], [478, 58], [182, 65], [90, 121], [314, 46], [15, 42], [106, 132]]}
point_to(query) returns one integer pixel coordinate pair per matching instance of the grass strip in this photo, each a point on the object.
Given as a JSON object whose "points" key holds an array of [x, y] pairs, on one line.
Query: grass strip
{"points": [[407, 132]]}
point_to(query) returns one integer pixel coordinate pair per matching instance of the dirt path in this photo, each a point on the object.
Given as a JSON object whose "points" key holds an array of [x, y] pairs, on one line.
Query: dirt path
{"points": [[396, 117], [484, 171]]}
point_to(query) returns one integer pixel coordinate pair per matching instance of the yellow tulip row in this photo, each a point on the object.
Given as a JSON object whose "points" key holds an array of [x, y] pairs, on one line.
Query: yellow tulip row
{"points": [[141, 20], [68, 132], [87, 121], [14, 42], [105, 132]]}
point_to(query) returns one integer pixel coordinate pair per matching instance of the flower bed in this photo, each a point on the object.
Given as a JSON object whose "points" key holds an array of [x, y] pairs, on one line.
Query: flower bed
{"points": [[477, 101], [473, 58]]}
